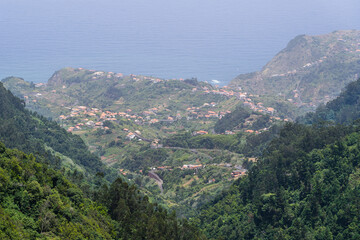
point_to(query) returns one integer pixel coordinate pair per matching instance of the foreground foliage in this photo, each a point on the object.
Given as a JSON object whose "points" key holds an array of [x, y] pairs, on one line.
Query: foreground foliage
{"points": [[139, 219], [39, 202]]}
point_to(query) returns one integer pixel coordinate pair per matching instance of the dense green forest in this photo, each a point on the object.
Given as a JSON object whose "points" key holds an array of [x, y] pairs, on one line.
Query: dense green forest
{"points": [[305, 186], [139, 219], [38, 202]]}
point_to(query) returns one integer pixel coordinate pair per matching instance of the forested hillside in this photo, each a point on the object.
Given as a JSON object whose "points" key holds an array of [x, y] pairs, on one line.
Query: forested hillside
{"points": [[38, 202], [305, 187], [33, 133]]}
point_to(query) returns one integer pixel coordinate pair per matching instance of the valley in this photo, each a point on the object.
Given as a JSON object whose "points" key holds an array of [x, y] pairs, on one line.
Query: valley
{"points": [[221, 157], [127, 121]]}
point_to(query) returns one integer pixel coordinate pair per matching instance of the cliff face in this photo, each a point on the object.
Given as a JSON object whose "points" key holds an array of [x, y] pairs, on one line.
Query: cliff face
{"points": [[310, 70]]}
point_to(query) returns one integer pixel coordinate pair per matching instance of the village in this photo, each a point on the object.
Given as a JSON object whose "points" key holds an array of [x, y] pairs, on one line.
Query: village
{"points": [[83, 117]]}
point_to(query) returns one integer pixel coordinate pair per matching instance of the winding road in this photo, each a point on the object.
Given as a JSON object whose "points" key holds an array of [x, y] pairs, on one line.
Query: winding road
{"points": [[158, 180]]}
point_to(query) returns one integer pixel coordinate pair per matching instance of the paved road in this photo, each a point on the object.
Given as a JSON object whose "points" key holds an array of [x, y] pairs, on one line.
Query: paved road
{"points": [[158, 180]]}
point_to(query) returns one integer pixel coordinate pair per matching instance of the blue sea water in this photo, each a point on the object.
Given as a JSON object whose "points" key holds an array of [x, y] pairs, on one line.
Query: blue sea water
{"points": [[207, 39]]}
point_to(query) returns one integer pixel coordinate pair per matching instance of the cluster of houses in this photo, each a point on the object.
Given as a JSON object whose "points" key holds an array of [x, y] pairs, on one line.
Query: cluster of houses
{"points": [[83, 117], [200, 132], [200, 113], [131, 135], [225, 92], [244, 96], [94, 118], [96, 74], [259, 107], [238, 173], [354, 48], [87, 118], [184, 167]]}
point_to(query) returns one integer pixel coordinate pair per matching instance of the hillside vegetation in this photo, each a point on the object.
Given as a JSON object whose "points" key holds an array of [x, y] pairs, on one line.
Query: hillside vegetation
{"points": [[301, 189], [343, 110], [30, 132], [37, 201]]}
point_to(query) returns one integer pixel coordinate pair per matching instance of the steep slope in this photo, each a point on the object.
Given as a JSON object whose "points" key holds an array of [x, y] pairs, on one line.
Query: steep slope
{"points": [[31, 132], [18, 86], [309, 71]]}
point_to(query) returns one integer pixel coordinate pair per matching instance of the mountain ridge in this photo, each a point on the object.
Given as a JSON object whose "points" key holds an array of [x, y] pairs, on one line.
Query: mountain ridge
{"points": [[310, 70]]}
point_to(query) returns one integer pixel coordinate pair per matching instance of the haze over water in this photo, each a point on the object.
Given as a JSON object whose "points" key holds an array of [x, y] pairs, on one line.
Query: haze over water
{"points": [[207, 39]]}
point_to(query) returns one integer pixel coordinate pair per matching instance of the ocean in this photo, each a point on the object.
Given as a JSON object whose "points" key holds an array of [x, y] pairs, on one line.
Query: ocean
{"points": [[213, 40]]}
